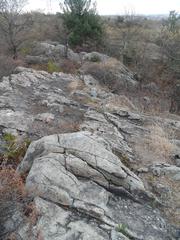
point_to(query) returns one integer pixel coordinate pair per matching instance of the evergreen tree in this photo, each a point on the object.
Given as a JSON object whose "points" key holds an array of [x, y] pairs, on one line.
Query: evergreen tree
{"points": [[82, 22]]}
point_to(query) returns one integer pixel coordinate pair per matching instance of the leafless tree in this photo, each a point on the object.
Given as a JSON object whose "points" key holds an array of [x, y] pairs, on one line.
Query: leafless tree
{"points": [[14, 25]]}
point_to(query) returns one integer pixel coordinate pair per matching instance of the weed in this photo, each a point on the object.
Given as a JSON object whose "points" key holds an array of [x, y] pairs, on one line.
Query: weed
{"points": [[52, 67], [26, 50], [14, 149], [122, 228]]}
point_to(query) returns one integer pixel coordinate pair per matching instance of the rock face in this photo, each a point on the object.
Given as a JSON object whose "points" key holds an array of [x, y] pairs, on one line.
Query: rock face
{"points": [[75, 178], [91, 181], [80, 154], [32, 101]]}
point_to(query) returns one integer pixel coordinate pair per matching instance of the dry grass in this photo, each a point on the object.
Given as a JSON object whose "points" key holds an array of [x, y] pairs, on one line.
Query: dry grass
{"points": [[15, 199], [77, 84], [159, 142], [154, 147], [168, 195], [65, 66], [69, 66], [12, 194], [119, 102], [11, 184], [70, 127]]}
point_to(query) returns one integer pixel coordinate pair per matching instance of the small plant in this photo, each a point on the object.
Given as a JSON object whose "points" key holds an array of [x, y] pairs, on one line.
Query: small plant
{"points": [[125, 160], [26, 50], [95, 58], [9, 138], [122, 228], [52, 67], [14, 149]]}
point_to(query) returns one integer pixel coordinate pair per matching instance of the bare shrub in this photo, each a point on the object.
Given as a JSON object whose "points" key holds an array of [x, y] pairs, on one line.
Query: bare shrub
{"points": [[107, 73], [68, 66], [11, 185], [14, 25], [47, 27], [12, 193], [7, 65], [15, 205]]}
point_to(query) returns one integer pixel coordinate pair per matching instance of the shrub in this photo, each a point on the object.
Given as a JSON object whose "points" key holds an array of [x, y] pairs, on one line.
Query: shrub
{"points": [[13, 24], [105, 73], [14, 149], [26, 49], [7, 65], [52, 67]]}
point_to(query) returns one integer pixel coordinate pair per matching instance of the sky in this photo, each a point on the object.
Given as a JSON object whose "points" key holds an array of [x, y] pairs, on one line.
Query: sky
{"points": [[115, 7]]}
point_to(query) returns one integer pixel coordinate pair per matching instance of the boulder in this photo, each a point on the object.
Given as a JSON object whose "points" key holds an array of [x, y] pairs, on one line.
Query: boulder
{"points": [[95, 57], [83, 154], [46, 51]]}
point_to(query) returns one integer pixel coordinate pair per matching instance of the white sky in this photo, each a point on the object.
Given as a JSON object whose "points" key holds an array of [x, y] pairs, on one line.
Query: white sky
{"points": [[110, 7]]}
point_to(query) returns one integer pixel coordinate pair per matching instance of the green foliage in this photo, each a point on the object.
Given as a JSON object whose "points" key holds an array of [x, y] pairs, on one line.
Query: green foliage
{"points": [[81, 22], [9, 138], [14, 150], [25, 50], [76, 6], [52, 67], [122, 228]]}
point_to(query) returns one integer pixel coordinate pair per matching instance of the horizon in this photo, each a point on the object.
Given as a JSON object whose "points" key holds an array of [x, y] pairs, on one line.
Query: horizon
{"points": [[113, 7]]}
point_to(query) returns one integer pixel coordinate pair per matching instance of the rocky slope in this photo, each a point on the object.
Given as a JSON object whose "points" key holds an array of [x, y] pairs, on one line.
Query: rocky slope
{"points": [[88, 169]]}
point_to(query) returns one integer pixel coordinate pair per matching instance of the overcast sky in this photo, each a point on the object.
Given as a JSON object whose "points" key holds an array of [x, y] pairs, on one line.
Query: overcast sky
{"points": [[110, 7]]}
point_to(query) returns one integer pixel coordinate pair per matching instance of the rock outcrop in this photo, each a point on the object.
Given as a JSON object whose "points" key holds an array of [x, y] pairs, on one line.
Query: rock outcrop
{"points": [[92, 181]]}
